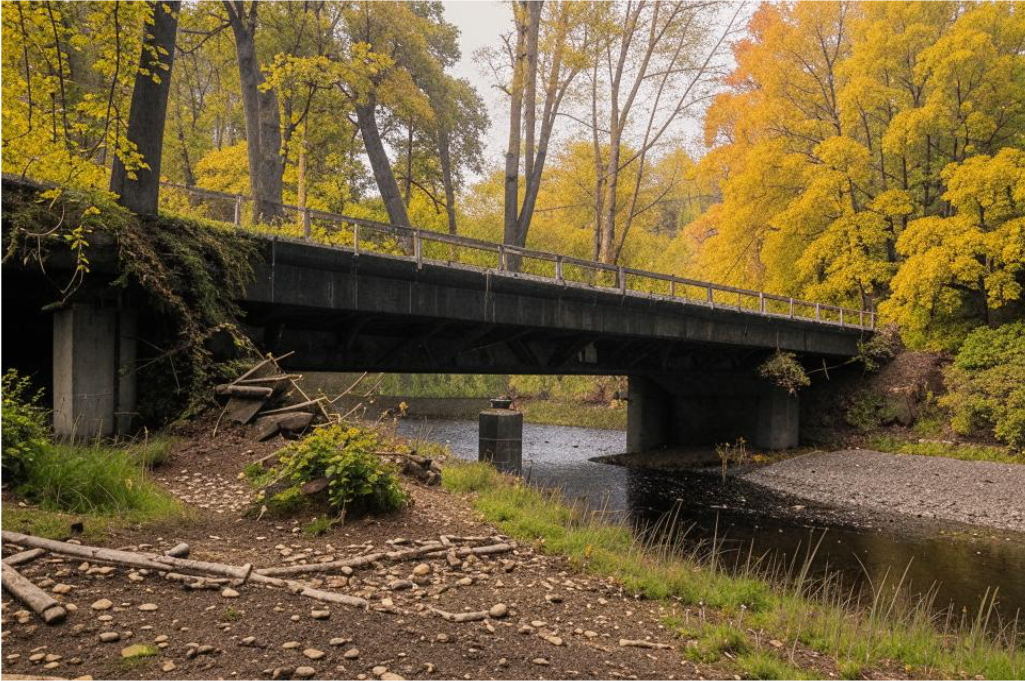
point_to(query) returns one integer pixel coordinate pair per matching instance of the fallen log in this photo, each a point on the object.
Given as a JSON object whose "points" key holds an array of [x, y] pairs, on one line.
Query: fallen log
{"points": [[249, 392], [24, 557], [388, 557], [461, 616], [160, 563], [41, 603]]}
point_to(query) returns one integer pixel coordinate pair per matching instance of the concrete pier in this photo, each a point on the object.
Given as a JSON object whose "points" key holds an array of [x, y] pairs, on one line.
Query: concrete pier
{"points": [[501, 438], [709, 410], [93, 371]]}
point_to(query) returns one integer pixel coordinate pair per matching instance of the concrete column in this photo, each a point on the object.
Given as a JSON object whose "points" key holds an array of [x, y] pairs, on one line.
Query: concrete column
{"points": [[92, 395], [778, 420], [500, 433], [647, 415]]}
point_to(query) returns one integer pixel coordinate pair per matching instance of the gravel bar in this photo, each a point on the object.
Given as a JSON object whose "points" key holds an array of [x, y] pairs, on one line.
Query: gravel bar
{"points": [[974, 492]]}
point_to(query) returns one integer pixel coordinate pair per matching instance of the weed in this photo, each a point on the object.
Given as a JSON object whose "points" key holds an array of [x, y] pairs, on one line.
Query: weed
{"points": [[231, 614], [850, 669], [764, 665], [714, 640], [257, 476], [319, 526]]}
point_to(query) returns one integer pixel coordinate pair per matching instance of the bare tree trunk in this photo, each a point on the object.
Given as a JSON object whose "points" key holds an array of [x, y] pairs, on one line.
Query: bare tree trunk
{"points": [[365, 116], [409, 165], [445, 156], [263, 121], [512, 154], [303, 150], [148, 114], [530, 85]]}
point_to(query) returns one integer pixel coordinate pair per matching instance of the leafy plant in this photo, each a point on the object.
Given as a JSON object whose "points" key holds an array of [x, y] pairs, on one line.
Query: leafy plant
{"points": [[24, 431], [986, 384], [357, 479], [783, 370]]}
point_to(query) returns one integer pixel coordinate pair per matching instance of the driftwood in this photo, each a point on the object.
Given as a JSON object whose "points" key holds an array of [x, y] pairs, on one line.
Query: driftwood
{"points": [[462, 616], [387, 557], [24, 557], [630, 643], [302, 406], [41, 603], [251, 392], [150, 561]]}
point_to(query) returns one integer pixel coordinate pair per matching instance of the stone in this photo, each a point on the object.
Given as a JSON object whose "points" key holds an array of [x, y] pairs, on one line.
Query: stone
{"points": [[498, 610], [465, 581], [351, 654], [305, 672], [291, 645], [61, 589], [137, 650], [148, 607], [313, 653], [110, 636], [391, 676], [248, 641], [378, 670], [422, 570], [168, 666], [228, 592], [541, 661], [320, 614], [338, 641], [282, 673], [160, 639], [441, 638], [102, 604], [554, 640]]}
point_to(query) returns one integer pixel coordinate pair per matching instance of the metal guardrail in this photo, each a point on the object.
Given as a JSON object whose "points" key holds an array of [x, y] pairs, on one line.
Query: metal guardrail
{"points": [[357, 235]]}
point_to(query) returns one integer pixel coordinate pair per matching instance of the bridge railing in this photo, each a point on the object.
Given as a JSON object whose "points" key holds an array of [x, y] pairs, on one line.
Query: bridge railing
{"points": [[369, 236]]}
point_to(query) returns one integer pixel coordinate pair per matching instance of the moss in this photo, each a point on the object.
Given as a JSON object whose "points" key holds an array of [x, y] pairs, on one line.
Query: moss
{"points": [[189, 271]]}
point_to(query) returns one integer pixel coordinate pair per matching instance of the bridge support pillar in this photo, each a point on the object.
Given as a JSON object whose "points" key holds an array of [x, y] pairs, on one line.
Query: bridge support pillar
{"points": [[93, 371], [702, 411], [778, 420]]}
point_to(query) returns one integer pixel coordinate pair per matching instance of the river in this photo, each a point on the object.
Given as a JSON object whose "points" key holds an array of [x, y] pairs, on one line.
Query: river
{"points": [[745, 520]]}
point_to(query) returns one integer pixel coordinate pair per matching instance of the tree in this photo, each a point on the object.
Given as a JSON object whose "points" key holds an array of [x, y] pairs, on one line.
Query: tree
{"points": [[139, 190]]}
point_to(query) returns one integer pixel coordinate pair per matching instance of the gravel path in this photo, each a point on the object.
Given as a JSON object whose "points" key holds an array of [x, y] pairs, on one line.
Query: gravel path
{"points": [[975, 492]]}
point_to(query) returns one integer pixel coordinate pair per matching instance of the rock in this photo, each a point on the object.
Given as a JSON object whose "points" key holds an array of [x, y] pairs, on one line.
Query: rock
{"points": [[498, 610], [248, 641], [391, 676], [138, 650], [228, 592], [554, 640], [281, 673], [291, 645], [110, 636], [502, 662], [553, 598], [465, 581], [351, 654], [590, 634], [320, 614], [148, 607], [541, 661], [422, 570], [313, 653], [339, 641], [61, 589], [102, 604], [205, 649], [525, 629], [160, 639], [305, 672], [441, 638], [168, 666], [378, 670]]}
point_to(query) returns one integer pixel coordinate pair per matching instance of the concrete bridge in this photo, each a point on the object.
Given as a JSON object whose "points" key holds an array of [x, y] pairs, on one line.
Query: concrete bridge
{"points": [[689, 348]]}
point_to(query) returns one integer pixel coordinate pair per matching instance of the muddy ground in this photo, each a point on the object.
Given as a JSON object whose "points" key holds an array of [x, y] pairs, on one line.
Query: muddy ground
{"points": [[560, 623]]}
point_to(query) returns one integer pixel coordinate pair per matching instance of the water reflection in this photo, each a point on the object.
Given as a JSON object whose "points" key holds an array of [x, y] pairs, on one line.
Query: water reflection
{"points": [[746, 519]]}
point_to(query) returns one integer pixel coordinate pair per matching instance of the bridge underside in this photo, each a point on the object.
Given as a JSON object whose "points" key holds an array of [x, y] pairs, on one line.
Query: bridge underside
{"points": [[692, 368]]}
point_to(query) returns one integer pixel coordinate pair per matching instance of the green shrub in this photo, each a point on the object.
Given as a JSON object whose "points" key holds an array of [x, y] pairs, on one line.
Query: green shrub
{"points": [[782, 369], [23, 428], [986, 384], [358, 480], [867, 410]]}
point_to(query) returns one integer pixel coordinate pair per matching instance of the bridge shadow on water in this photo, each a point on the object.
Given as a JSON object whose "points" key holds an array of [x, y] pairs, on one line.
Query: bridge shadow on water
{"points": [[749, 523]]}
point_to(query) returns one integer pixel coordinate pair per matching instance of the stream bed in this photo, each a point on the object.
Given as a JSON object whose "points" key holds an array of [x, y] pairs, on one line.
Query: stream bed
{"points": [[746, 520]]}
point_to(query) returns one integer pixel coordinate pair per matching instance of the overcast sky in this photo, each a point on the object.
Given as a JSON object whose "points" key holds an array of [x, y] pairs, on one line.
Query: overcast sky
{"points": [[481, 23]]}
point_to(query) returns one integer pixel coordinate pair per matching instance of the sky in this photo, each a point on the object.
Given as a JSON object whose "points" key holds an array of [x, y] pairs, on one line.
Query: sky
{"points": [[481, 23]]}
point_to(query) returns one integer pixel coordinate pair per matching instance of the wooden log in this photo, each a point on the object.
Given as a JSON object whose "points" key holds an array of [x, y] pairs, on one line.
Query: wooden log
{"points": [[462, 616], [630, 643], [150, 561], [24, 557], [302, 406], [387, 557], [41, 603], [251, 392]]}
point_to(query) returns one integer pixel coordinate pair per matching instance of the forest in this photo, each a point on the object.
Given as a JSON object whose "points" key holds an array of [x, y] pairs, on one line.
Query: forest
{"points": [[863, 154]]}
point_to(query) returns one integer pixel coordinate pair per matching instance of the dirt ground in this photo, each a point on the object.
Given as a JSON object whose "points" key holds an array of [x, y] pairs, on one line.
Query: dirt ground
{"points": [[560, 623]]}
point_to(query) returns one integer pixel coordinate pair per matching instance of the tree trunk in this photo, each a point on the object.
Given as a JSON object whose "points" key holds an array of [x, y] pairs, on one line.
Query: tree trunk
{"points": [[263, 121], [148, 114], [512, 154], [409, 165], [365, 116], [445, 156], [530, 86]]}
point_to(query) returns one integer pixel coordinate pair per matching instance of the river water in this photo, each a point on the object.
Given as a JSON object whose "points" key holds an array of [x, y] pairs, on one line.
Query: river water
{"points": [[747, 520]]}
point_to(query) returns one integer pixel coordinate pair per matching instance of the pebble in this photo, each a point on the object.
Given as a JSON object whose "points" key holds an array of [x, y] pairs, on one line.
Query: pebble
{"points": [[554, 640], [228, 592], [391, 676], [168, 666], [351, 654], [102, 604], [313, 653], [422, 570], [110, 636], [305, 672], [290, 645], [465, 581], [320, 614], [61, 589], [160, 639], [498, 610], [541, 661], [378, 670], [339, 641], [148, 607]]}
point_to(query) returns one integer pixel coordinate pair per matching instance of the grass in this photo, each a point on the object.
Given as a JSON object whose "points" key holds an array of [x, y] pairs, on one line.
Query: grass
{"points": [[231, 614], [573, 413], [965, 451], [764, 665], [822, 615], [319, 526]]}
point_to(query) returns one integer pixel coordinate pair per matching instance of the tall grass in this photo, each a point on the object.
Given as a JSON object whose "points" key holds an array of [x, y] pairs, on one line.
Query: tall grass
{"points": [[99, 479], [966, 451], [886, 625]]}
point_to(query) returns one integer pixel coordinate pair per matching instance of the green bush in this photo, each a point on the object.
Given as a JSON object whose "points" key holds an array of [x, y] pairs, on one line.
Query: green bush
{"points": [[782, 369], [868, 410], [986, 384], [24, 431], [358, 480]]}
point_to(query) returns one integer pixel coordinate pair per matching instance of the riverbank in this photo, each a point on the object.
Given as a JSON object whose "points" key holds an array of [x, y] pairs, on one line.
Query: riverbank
{"points": [[570, 589]]}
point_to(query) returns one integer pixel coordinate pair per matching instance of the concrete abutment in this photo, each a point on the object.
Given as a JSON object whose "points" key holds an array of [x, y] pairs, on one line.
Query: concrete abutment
{"points": [[94, 381], [708, 410]]}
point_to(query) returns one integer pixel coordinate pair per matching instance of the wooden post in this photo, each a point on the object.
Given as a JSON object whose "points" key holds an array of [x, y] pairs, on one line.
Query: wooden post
{"points": [[355, 237], [558, 268], [418, 249], [621, 276], [791, 308], [711, 298], [761, 302], [238, 210], [306, 223], [818, 312]]}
